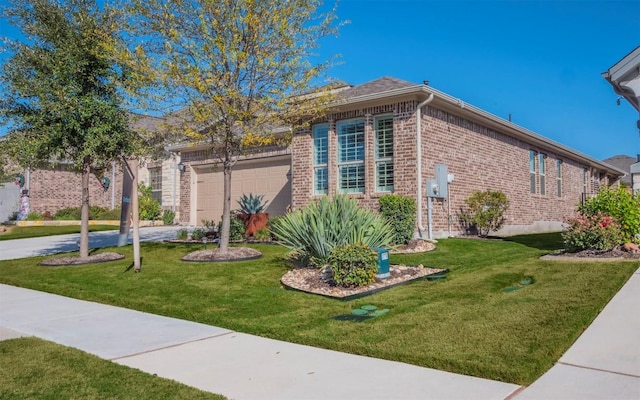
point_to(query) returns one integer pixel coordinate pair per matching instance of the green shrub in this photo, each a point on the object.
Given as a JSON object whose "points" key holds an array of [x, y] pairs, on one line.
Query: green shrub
{"points": [[208, 224], [197, 234], [67, 214], [149, 209], [270, 222], [315, 230], [592, 232], [34, 216], [485, 212], [236, 228], [168, 217], [182, 234], [95, 212], [620, 204], [353, 265], [263, 234], [400, 211], [111, 214]]}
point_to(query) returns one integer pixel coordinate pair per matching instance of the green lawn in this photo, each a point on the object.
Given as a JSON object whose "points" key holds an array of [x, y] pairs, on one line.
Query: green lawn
{"points": [[36, 369], [22, 232], [465, 324]]}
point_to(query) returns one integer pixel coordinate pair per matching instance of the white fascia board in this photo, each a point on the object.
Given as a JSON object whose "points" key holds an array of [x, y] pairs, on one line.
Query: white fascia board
{"points": [[626, 68]]}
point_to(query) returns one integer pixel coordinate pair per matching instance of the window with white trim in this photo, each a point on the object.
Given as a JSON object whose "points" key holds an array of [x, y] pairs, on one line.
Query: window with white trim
{"points": [[350, 156], [559, 177], [320, 159], [155, 178], [585, 180], [532, 170], [543, 173], [384, 153]]}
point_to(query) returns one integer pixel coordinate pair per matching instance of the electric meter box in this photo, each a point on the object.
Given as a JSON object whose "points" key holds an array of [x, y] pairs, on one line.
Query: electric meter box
{"points": [[383, 263]]}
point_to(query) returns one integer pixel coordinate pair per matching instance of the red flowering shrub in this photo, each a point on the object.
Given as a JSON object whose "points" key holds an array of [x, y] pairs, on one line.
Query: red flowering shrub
{"points": [[592, 232]]}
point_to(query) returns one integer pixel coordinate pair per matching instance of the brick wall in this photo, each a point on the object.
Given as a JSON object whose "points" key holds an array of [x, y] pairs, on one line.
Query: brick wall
{"points": [[404, 162], [480, 158], [54, 188]]}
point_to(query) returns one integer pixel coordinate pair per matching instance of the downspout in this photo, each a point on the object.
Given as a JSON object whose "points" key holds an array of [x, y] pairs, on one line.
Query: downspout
{"points": [[113, 185], [419, 160]]}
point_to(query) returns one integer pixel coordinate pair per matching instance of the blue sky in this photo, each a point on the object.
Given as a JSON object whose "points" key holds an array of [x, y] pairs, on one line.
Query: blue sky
{"points": [[539, 61]]}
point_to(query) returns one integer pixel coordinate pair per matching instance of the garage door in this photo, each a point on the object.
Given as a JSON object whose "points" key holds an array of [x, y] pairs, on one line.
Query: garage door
{"points": [[269, 177]]}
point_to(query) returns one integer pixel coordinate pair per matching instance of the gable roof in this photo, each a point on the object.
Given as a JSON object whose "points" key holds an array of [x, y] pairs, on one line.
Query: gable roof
{"points": [[379, 85]]}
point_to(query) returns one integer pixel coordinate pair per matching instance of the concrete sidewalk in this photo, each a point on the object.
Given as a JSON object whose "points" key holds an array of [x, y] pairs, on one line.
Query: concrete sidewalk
{"points": [[237, 365], [47, 245], [604, 363]]}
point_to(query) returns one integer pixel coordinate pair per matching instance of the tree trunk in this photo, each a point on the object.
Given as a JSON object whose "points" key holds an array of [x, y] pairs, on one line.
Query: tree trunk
{"points": [[135, 217], [84, 208], [226, 208]]}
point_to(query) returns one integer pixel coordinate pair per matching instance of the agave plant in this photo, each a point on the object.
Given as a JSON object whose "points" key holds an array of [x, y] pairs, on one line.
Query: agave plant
{"points": [[318, 228], [252, 204]]}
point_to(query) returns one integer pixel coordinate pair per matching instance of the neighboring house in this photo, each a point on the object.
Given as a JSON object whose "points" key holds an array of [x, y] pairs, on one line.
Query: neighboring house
{"points": [[53, 187], [624, 76], [635, 176], [623, 162], [387, 136]]}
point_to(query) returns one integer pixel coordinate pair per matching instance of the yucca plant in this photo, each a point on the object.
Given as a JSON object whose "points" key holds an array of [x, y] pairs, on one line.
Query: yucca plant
{"points": [[252, 204], [318, 228]]}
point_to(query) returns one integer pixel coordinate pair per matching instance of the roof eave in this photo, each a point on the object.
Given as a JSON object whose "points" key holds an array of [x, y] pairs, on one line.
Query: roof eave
{"points": [[490, 119], [623, 70]]}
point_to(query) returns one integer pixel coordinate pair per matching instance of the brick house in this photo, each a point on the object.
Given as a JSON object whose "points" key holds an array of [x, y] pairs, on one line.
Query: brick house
{"points": [[388, 136], [369, 146]]}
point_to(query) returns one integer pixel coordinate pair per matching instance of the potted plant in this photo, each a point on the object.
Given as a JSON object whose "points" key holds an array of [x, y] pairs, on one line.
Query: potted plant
{"points": [[251, 213]]}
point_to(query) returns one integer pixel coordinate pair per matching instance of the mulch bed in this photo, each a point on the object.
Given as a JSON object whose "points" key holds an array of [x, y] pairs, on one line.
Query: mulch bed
{"points": [[77, 260], [216, 255], [415, 246], [311, 280], [595, 255], [318, 281]]}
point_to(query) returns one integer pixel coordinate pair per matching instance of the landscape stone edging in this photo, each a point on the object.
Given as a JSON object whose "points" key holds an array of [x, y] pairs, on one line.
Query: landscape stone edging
{"points": [[77, 222]]}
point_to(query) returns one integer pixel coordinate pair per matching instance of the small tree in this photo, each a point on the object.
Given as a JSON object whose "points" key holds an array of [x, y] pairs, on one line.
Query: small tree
{"points": [[240, 67], [149, 208], [60, 94], [485, 211]]}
